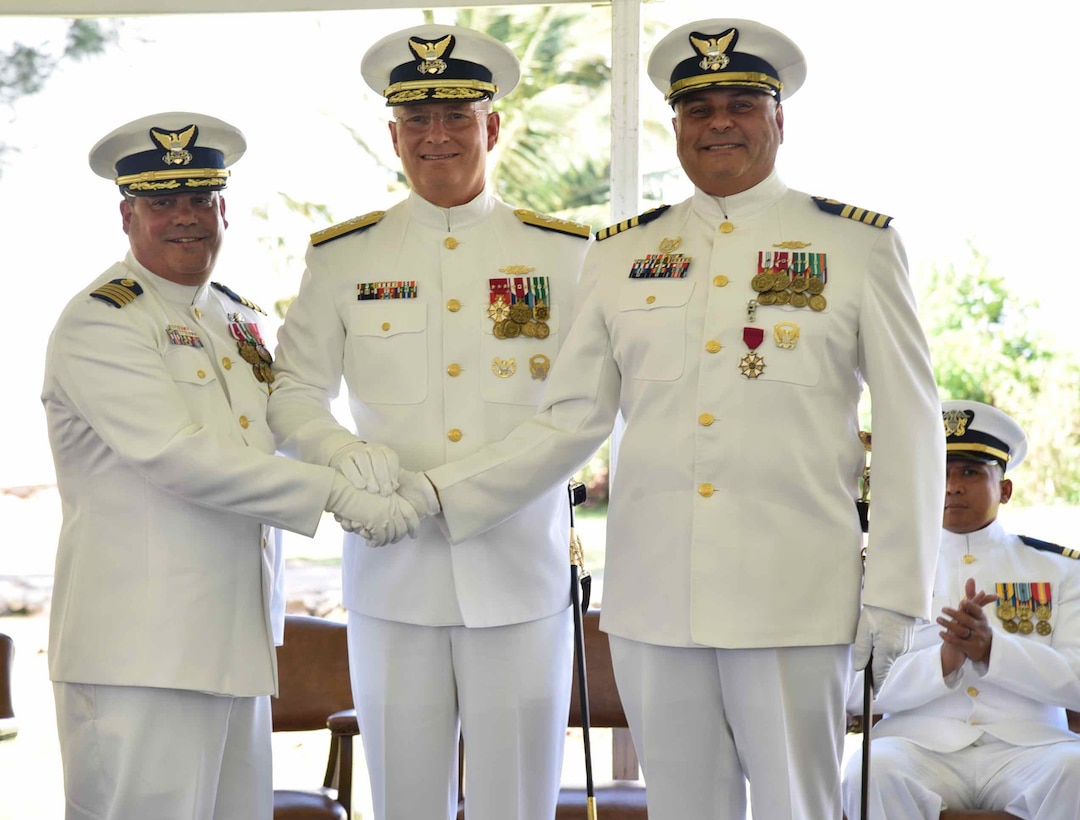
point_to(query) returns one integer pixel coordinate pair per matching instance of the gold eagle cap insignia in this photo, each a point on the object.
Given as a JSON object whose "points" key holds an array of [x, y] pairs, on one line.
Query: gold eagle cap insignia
{"points": [[430, 53], [712, 49], [175, 143]]}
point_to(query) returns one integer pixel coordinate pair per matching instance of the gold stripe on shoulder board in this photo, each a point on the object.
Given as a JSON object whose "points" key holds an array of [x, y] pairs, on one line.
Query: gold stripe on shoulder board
{"points": [[832, 206], [641, 219], [552, 223], [118, 292], [357, 223]]}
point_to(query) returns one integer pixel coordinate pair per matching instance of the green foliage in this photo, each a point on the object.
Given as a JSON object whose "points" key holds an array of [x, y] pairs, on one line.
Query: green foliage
{"points": [[24, 70], [987, 346]]}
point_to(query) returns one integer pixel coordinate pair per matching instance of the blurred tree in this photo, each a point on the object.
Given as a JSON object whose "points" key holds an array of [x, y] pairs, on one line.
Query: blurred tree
{"points": [[987, 346], [24, 70]]}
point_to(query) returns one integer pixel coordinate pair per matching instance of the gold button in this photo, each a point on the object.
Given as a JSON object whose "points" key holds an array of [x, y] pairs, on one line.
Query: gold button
{"points": [[454, 435], [226, 362], [726, 227], [201, 374], [649, 300], [705, 490], [974, 723], [705, 419], [385, 325], [971, 690], [244, 422], [453, 306], [713, 346], [720, 281], [969, 559], [450, 243], [454, 369], [198, 313]]}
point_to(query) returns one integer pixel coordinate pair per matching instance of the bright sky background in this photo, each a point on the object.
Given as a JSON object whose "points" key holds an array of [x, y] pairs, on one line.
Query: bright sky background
{"points": [[953, 117]]}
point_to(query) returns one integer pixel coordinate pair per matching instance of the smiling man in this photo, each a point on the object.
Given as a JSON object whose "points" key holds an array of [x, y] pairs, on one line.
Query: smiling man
{"points": [[975, 712], [167, 602], [444, 315], [735, 332]]}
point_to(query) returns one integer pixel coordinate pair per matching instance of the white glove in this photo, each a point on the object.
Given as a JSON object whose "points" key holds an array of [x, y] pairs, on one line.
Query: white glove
{"points": [[371, 467], [417, 490], [380, 519], [887, 634]]}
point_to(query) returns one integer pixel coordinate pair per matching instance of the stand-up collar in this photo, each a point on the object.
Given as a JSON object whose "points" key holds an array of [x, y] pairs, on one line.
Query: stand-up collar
{"points": [[993, 534], [742, 205], [172, 292], [450, 219]]}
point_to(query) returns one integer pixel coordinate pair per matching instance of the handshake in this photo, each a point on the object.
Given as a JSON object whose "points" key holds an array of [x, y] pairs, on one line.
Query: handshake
{"points": [[375, 498]]}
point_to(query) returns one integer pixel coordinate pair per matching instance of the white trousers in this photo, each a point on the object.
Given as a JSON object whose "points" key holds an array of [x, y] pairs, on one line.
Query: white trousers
{"points": [[908, 782], [132, 753], [705, 721], [508, 690]]}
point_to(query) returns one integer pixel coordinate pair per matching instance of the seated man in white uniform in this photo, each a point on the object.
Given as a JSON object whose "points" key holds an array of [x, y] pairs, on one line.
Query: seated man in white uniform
{"points": [[975, 712]]}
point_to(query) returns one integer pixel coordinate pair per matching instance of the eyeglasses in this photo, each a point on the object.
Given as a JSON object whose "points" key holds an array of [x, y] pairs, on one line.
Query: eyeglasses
{"points": [[451, 120]]}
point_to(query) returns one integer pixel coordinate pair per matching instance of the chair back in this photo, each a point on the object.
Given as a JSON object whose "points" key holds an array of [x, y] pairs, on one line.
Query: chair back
{"points": [[313, 674]]}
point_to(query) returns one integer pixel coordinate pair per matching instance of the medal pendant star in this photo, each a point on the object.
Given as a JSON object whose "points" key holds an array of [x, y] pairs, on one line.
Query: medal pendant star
{"points": [[752, 365]]}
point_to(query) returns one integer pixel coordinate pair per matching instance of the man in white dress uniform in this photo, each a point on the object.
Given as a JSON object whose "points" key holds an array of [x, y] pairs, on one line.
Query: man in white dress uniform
{"points": [[735, 332], [444, 315], [167, 601], [975, 712]]}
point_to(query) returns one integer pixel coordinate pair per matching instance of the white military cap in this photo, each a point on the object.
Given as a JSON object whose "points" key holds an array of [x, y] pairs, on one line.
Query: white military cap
{"points": [[726, 53], [440, 64], [175, 151], [979, 432]]}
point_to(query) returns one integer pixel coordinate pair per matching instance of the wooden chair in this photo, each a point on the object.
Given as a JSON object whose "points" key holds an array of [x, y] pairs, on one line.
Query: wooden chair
{"points": [[967, 814], [314, 692], [8, 727], [622, 795]]}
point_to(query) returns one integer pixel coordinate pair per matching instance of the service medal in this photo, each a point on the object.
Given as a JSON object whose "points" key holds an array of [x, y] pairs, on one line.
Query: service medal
{"points": [[1011, 627], [1044, 628], [1026, 627]]}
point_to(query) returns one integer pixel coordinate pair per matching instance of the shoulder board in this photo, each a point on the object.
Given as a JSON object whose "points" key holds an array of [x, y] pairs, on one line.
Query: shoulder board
{"points": [[831, 206], [118, 292], [1046, 546], [357, 223], [551, 223], [632, 222], [236, 297]]}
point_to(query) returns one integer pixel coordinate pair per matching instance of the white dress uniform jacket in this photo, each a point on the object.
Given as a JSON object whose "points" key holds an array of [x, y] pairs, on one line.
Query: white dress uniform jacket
{"points": [[732, 520], [1021, 695], [168, 570], [427, 376]]}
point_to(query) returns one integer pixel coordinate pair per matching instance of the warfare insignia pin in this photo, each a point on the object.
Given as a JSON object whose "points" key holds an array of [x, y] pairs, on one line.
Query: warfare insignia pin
{"points": [[503, 368]]}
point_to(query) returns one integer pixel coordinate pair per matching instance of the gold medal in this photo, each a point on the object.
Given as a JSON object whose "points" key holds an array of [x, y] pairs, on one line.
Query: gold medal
{"points": [[529, 329], [1006, 612], [799, 284], [1026, 627], [1044, 628], [1042, 612], [248, 352], [542, 330], [500, 328], [817, 302], [520, 312], [815, 285], [498, 310], [541, 312], [783, 297], [1010, 627], [767, 298], [511, 329], [781, 281], [762, 282], [799, 300]]}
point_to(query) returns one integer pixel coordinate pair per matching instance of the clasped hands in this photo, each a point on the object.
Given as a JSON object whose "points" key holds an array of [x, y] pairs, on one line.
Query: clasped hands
{"points": [[966, 633], [375, 498]]}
